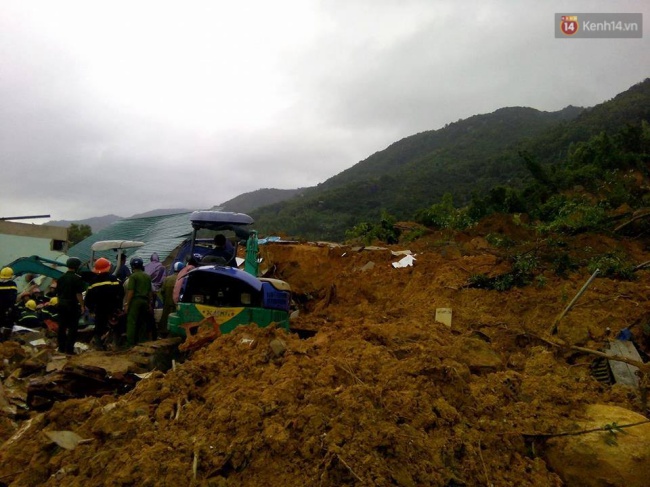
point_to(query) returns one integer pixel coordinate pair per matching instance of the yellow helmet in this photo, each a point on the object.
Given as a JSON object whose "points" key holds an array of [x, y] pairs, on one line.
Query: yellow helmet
{"points": [[7, 273], [31, 304], [54, 301]]}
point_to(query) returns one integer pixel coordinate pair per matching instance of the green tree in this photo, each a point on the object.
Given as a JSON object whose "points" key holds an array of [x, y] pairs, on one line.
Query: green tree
{"points": [[445, 215], [384, 231], [78, 232]]}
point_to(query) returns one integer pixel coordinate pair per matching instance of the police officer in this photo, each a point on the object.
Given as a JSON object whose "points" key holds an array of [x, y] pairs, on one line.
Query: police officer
{"points": [[139, 303]]}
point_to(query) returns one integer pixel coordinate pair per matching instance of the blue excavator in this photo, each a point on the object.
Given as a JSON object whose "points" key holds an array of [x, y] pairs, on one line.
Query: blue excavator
{"points": [[217, 297]]}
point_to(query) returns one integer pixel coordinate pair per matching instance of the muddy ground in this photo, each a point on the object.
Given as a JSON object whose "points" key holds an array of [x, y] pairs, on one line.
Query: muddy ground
{"points": [[382, 394]]}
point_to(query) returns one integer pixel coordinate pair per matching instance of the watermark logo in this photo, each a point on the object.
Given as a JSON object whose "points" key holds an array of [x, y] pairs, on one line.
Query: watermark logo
{"points": [[569, 25], [599, 26]]}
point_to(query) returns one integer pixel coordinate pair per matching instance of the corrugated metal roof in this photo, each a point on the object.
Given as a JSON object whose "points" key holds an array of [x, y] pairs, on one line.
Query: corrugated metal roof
{"points": [[161, 234]]}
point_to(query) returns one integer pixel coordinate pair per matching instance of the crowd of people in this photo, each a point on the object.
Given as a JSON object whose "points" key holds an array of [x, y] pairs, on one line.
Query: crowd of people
{"points": [[119, 300], [120, 304]]}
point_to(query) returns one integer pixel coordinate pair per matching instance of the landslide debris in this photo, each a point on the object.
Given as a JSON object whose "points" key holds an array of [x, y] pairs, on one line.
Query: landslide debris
{"points": [[382, 394]]}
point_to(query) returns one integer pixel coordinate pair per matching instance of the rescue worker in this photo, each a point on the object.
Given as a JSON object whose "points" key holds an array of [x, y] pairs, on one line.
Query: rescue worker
{"points": [[8, 296], [30, 289], [103, 298], [50, 315], [38, 296], [30, 318], [70, 288], [51, 290], [138, 303], [21, 304], [167, 296]]}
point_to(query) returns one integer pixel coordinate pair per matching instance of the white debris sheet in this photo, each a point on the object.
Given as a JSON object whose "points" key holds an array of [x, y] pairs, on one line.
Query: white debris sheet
{"points": [[406, 261]]}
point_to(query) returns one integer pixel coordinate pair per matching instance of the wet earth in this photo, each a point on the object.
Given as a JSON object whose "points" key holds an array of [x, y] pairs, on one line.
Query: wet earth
{"points": [[374, 390]]}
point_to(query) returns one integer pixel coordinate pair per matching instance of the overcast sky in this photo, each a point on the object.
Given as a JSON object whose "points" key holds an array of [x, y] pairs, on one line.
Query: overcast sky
{"points": [[127, 106]]}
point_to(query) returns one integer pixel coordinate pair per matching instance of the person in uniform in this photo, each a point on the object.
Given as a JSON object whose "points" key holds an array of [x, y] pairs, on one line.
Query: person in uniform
{"points": [[8, 296], [138, 303], [103, 298], [30, 318], [70, 288]]}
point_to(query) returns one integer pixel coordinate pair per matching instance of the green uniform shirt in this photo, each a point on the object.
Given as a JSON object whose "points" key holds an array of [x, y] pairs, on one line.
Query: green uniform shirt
{"points": [[140, 284], [167, 290]]}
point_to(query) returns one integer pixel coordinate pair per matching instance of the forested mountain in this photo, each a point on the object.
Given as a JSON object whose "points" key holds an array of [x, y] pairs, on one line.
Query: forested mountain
{"points": [[255, 199], [465, 159]]}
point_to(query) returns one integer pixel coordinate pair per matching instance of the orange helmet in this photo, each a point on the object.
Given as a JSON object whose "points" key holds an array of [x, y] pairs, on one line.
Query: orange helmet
{"points": [[102, 265]]}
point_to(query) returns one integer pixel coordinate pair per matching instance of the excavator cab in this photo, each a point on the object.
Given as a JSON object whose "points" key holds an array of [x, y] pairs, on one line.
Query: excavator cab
{"points": [[216, 298]]}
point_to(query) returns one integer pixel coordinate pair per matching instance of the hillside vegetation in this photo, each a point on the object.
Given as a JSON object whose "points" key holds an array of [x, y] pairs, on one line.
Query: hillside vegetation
{"points": [[255, 199], [505, 151]]}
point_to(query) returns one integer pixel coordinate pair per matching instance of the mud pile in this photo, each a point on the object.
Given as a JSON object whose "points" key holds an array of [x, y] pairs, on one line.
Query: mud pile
{"points": [[381, 395]]}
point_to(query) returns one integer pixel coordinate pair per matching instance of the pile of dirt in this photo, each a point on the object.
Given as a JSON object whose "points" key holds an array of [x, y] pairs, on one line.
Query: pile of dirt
{"points": [[382, 394]]}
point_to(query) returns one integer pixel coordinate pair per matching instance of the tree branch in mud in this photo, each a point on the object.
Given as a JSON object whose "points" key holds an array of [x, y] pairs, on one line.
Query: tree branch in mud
{"points": [[349, 468], [553, 329], [612, 428], [487, 478], [643, 367], [633, 219], [643, 372], [327, 461], [346, 367], [643, 265]]}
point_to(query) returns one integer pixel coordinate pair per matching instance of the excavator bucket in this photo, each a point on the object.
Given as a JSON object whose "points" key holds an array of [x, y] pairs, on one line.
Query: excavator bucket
{"points": [[199, 334]]}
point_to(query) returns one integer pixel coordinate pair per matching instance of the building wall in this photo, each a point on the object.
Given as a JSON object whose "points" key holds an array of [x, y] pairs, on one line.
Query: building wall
{"points": [[23, 240]]}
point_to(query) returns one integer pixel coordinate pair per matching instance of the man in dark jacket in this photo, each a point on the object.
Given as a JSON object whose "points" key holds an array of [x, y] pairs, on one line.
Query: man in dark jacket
{"points": [[71, 305], [103, 298], [123, 272], [8, 296], [223, 253]]}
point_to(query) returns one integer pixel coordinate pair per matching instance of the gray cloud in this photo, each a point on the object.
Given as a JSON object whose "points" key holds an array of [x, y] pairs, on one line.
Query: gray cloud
{"points": [[174, 106]]}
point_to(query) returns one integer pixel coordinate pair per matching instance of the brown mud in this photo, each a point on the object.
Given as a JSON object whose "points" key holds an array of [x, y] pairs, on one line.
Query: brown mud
{"points": [[381, 395]]}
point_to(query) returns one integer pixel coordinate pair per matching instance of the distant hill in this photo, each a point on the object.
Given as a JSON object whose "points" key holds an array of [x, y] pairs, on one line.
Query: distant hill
{"points": [[465, 158], [247, 202], [96, 223]]}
